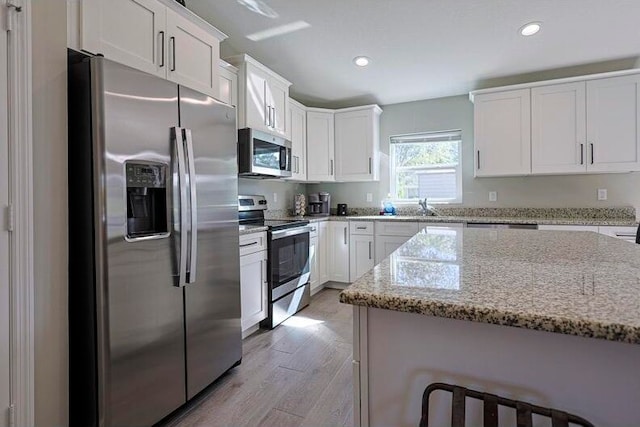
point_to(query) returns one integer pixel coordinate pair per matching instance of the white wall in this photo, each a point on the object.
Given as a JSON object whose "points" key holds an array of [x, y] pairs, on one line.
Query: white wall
{"points": [[50, 211], [457, 113]]}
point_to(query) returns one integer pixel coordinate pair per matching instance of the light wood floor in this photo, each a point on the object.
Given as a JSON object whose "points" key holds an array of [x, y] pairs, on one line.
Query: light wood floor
{"points": [[299, 374]]}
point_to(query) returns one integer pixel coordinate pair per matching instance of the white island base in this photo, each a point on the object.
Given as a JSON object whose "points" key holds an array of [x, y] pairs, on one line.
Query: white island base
{"points": [[397, 354]]}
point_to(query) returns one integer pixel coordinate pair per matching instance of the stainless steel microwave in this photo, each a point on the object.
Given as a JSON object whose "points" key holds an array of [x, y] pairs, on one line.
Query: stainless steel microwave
{"points": [[262, 155]]}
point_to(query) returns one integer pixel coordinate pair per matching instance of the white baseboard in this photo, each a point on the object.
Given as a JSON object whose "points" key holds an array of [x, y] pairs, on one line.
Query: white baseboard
{"points": [[250, 330]]}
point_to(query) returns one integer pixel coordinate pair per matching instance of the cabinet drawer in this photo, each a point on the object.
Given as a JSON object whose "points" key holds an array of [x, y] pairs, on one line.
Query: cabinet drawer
{"points": [[389, 228], [624, 233], [255, 242], [593, 228], [361, 227]]}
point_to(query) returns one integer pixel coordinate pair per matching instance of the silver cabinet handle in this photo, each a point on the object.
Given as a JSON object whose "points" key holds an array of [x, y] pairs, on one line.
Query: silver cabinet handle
{"points": [[193, 206], [274, 117], [361, 228], [176, 135], [331, 173], [264, 271], [248, 244], [345, 235], [369, 250], [267, 114], [582, 154], [592, 153], [172, 41], [370, 165], [162, 49], [478, 159]]}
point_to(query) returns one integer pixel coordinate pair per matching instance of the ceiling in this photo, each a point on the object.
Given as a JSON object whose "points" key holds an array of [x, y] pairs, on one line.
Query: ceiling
{"points": [[423, 49]]}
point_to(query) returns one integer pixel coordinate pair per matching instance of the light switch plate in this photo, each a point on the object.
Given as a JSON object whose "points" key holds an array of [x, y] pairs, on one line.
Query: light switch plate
{"points": [[602, 194], [369, 197], [275, 198], [493, 196]]}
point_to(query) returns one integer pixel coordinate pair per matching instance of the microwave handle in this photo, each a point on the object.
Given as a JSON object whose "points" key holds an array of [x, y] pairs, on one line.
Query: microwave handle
{"points": [[285, 161]]}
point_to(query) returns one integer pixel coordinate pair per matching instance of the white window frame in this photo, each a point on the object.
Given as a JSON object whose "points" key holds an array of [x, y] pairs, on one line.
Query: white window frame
{"points": [[426, 135]]}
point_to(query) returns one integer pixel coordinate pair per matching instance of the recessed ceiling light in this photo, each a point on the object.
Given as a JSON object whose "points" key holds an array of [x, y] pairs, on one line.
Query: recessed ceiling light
{"points": [[530, 29], [361, 61]]}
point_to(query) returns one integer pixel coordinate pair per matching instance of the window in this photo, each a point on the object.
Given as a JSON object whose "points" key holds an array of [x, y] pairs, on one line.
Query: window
{"points": [[427, 165]]}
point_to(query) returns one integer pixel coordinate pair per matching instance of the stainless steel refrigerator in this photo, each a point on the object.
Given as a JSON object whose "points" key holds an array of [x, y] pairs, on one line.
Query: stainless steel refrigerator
{"points": [[154, 291]]}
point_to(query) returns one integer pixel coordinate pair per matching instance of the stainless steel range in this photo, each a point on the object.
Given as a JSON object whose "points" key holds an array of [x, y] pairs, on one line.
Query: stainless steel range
{"points": [[288, 265]]}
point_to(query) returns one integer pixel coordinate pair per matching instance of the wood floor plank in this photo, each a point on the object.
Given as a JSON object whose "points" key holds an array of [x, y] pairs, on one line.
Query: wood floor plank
{"points": [[278, 418], [289, 376], [334, 407]]}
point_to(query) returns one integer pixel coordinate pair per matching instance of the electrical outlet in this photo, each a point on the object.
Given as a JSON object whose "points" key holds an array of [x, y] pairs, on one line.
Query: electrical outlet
{"points": [[602, 194], [369, 197], [275, 198], [493, 196]]}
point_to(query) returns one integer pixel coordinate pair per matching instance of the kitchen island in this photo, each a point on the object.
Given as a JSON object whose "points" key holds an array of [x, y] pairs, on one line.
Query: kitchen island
{"points": [[548, 317]]}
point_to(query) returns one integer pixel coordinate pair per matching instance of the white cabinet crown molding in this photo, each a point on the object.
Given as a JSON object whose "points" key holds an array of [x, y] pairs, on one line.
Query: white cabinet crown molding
{"points": [[574, 79], [237, 60]]}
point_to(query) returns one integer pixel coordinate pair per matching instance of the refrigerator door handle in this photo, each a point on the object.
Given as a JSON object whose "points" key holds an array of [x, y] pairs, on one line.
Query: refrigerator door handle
{"points": [[193, 207], [176, 134]]}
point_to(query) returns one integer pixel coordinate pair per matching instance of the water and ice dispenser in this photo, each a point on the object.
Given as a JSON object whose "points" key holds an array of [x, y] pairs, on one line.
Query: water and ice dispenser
{"points": [[146, 199]]}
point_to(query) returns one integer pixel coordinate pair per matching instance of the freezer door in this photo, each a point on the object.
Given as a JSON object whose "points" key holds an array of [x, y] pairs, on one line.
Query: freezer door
{"points": [[212, 298], [144, 343]]}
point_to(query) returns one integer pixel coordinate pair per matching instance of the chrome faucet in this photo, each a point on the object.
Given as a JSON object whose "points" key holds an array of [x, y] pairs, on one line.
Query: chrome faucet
{"points": [[426, 209]]}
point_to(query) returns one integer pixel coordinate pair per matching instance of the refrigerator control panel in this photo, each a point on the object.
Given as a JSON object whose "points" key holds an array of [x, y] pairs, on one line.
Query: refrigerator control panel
{"points": [[146, 175]]}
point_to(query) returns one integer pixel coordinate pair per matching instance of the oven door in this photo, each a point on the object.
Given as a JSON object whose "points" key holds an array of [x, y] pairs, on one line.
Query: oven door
{"points": [[288, 261]]}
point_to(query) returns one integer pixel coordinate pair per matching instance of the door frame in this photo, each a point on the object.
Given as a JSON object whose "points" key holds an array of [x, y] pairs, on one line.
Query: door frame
{"points": [[21, 199]]}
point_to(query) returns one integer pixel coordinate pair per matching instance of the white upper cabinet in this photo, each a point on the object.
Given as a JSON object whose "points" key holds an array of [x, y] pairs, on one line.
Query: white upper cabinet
{"points": [[613, 117], [228, 83], [357, 143], [558, 128], [320, 145], [502, 133], [298, 121], [263, 97], [193, 55], [157, 37], [586, 124], [132, 32]]}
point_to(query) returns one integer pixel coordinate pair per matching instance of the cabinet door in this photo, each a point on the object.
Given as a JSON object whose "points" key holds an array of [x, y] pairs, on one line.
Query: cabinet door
{"points": [[127, 31], [502, 132], [227, 86], [339, 252], [193, 55], [253, 288], [613, 115], [278, 96], [385, 245], [323, 252], [298, 124], [355, 145], [313, 261], [320, 146], [558, 128], [256, 113], [361, 255]]}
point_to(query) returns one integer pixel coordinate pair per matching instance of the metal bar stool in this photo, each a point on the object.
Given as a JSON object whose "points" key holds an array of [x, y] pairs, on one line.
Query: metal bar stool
{"points": [[524, 411]]}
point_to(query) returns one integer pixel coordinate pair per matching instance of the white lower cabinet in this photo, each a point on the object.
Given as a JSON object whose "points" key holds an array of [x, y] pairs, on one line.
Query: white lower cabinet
{"points": [[338, 253], [390, 235], [361, 255], [313, 258], [593, 228], [323, 252], [253, 279]]}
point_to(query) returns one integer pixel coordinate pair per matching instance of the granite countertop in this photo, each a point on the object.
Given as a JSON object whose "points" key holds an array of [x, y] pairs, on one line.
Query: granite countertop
{"points": [[474, 219], [568, 282]]}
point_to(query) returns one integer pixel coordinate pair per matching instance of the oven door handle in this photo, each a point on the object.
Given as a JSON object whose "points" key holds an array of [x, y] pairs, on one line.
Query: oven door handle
{"points": [[275, 235]]}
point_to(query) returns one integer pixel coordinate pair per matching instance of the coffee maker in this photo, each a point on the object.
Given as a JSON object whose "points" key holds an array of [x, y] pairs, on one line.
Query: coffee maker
{"points": [[319, 204]]}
